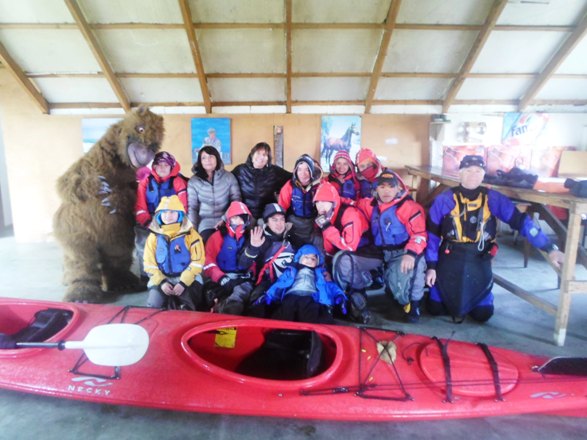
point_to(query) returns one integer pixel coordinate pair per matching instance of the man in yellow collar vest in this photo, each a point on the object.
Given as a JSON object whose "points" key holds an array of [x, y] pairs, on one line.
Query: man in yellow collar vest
{"points": [[461, 243]]}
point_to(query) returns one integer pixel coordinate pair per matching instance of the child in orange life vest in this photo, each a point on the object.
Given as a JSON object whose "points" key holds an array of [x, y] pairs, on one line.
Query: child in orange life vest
{"points": [[163, 179], [343, 177], [174, 257]]}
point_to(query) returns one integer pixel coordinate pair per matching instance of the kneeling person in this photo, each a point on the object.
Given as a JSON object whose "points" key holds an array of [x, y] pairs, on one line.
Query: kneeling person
{"points": [[174, 257], [462, 228]]}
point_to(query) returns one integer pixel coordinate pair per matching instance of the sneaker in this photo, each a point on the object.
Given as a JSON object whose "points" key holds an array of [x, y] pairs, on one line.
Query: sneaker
{"points": [[365, 317], [412, 311], [358, 307], [377, 280]]}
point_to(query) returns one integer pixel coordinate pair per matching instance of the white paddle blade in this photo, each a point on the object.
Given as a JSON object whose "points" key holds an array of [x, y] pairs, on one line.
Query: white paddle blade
{"points": [[114, 345]]}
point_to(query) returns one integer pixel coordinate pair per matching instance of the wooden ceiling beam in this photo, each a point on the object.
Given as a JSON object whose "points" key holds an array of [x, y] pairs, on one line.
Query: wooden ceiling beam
{"points": [[92, 41], [23, 80], [488, 26], [186, 14], [331, 26], [559, 57], [378, 67], [328, 102], [407, 102], [252, 75], [288, 54], [102, 105]]}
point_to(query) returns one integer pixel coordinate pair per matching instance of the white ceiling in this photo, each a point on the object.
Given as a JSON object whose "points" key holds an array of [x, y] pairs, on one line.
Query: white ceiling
{"points": [[299, 56]]}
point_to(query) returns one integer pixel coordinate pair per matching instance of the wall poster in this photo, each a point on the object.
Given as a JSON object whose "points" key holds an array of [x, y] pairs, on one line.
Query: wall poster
{"points": [[214, 132]]}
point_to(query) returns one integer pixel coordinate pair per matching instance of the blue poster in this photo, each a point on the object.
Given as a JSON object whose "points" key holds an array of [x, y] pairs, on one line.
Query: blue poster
{"points": [[214, 132]]}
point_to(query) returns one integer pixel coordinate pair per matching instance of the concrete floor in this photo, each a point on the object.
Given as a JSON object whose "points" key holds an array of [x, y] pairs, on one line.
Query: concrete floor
{"points": [[34, 271]]}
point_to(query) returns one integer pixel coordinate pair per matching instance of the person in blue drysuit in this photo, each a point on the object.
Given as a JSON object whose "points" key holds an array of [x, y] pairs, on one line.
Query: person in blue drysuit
{"points": [[462, 224]]}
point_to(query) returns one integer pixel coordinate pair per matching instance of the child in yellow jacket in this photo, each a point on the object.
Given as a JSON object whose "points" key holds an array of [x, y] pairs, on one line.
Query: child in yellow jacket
{"points": [[174, 257]]}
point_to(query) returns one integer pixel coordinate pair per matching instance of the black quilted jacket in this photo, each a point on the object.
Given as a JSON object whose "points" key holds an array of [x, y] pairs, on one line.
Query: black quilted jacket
{"points": [[259, 186]]}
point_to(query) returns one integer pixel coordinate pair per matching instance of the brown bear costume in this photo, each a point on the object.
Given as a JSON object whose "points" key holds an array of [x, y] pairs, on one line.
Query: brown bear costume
{"points": [[94, 223]]}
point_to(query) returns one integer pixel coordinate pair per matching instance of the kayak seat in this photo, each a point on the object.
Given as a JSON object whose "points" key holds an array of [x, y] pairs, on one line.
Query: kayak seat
{"points": [[285, 355], [45, 324]]}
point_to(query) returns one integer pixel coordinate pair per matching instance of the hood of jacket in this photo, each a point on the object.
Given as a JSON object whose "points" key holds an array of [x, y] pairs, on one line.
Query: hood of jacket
{"points": [[315, 170], [171, 203], [327, 192], [309, 249], [238, 208]]}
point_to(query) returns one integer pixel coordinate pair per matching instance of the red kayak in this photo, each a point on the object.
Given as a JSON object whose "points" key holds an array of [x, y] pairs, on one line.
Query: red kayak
{"points": [[225, 364]]}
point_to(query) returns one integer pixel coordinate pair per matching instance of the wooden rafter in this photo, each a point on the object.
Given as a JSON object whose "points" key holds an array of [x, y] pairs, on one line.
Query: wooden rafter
{"points": [[558, 58], [236, 75], [92, 41], [343, 26], [378, 67], [503, 102], [186, 13], [288, 44], [22, 79], [488, 26]]}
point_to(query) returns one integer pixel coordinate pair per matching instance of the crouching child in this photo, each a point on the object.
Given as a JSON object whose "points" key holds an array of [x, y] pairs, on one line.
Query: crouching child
{"points": [[229, 269], [174, 257], [304, 291]]}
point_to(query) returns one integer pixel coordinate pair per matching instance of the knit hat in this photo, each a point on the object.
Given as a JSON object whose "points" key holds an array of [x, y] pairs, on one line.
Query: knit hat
{"points": [[271, 209], [472, 160], [342, 155], [164, 157]]}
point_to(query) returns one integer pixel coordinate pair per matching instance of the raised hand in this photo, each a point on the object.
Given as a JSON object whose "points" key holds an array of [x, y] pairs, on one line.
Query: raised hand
{"points": [[257, 238]]}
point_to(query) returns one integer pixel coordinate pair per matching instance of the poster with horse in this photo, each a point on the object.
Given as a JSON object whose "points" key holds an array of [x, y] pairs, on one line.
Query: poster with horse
{"points": [[339, 133]]}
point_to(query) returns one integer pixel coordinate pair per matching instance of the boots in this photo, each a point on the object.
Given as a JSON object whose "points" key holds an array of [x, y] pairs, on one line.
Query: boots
{"points": [[412, 312], [358, 307]]}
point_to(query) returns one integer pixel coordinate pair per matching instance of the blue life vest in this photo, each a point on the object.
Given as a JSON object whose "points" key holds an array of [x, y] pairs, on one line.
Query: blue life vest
{"points": [[172, 256], [156, 190], [367, 188], [348, 190], [386, 228], [301, 202], [227, 258]]}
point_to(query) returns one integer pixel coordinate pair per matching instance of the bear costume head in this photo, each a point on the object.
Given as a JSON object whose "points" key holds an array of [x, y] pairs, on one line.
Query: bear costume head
{"points": [[138, 137]]}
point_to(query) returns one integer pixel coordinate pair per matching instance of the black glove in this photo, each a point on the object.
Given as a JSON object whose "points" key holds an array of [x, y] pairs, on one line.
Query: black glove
{"points": [[322, 222], [7, 341], [228, 284]]}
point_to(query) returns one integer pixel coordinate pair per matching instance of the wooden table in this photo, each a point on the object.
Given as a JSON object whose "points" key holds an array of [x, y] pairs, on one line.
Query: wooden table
{"points": [[569, 235]]}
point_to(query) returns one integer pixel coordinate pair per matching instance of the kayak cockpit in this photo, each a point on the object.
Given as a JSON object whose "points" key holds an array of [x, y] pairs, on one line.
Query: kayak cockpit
{"points": [[31, 323], [262, 352]]}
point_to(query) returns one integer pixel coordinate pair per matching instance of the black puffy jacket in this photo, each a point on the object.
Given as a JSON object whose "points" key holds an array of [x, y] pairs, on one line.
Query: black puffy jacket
{"points": [[259, 186]]}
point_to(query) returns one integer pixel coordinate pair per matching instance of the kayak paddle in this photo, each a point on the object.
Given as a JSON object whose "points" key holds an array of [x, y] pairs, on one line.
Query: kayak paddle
{"points": [[113, 345]]}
